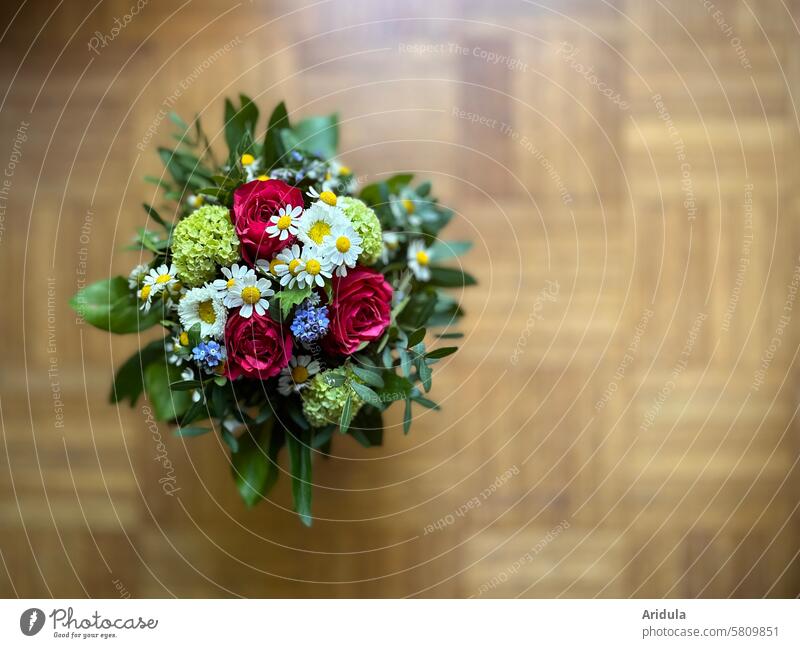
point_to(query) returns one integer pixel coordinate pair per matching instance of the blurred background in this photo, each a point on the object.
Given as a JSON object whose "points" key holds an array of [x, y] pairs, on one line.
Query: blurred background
{"points": [[621, 418]]}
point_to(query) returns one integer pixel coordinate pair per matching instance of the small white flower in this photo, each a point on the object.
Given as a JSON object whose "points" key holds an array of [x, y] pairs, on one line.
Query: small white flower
{"points": [[137, 275], [284, 223], [232, 275], [288, 266], [188, 374], [391, 242], [203, 306], [294, 377], [161, 278], [419, 260], [145, 295], [342, 249], [314, 267], [195, 201], [249, 294], [319, 221]]}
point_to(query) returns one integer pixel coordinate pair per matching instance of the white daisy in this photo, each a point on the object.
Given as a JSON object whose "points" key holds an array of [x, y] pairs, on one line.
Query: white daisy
{"points": [[137, 275], [195, 201], [203, 306], [319, 221], [342, 249], [232, 275], [391, 242], [327, 198], [145, 295], [289, 266], [419, 260], [250, 294], [160, 278], [284, 222], [314, 267], [295, 376]]}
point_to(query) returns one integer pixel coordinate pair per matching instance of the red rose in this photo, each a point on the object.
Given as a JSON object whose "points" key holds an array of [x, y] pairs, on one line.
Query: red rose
{"points": [[360, 310], [253, 204], [256, 346]]}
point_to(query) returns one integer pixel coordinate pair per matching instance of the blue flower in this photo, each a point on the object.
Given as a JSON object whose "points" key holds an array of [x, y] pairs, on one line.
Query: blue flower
{"points": [[310, 322], [208, 354]]}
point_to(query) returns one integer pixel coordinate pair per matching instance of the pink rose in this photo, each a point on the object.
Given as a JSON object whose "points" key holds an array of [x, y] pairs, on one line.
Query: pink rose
{"points": [[256, 346], [253, 204], [360, 310]]}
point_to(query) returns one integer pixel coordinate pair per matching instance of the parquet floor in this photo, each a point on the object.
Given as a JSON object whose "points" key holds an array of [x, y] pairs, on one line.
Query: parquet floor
{"points": [[622, 416]]}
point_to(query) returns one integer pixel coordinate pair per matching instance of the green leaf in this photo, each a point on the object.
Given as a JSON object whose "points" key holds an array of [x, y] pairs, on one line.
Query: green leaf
{"points": [[155, 216], [448, 249], [425, 402], [450, 336], [334, 379], [394, 387], [167, 405], [191, 431], [273, 149], [450, 277], [255, 464], [369, 376], [300, 461], [419, 308], [425, 374], [366, 394], [239, 123], [407, 417], [318, 135], [441, 352], [416, 337], [289, 297], [344, 419], [397, 182], [405, 362], [112, 306], [129, 379]]}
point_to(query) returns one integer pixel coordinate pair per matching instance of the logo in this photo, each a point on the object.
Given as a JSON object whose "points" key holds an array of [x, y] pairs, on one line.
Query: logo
{"points": [[31, 621]]}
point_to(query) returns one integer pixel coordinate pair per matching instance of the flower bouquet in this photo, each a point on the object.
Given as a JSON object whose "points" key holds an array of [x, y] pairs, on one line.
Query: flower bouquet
{"points": [[290, 306]]}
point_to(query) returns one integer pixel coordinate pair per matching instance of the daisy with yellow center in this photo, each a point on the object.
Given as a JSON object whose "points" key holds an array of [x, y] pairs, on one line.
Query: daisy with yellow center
{"points": [[160, 278], [294, 378], [284, 223], [247, 160], [232, 274], [249, 294], [288, 266], [145, 295], [327, 197], [342, 249], [203, 306], [314, 267], [318, 223], [419, 260]]}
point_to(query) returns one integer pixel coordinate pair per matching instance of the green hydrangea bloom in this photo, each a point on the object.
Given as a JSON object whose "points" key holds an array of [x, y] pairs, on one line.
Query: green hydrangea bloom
{"points": [[366, 225], [323, 403], [201, 241]]}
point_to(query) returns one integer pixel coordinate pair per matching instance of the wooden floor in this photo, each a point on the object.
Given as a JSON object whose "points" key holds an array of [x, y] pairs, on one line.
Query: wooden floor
{"points": [[621, 420]]}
